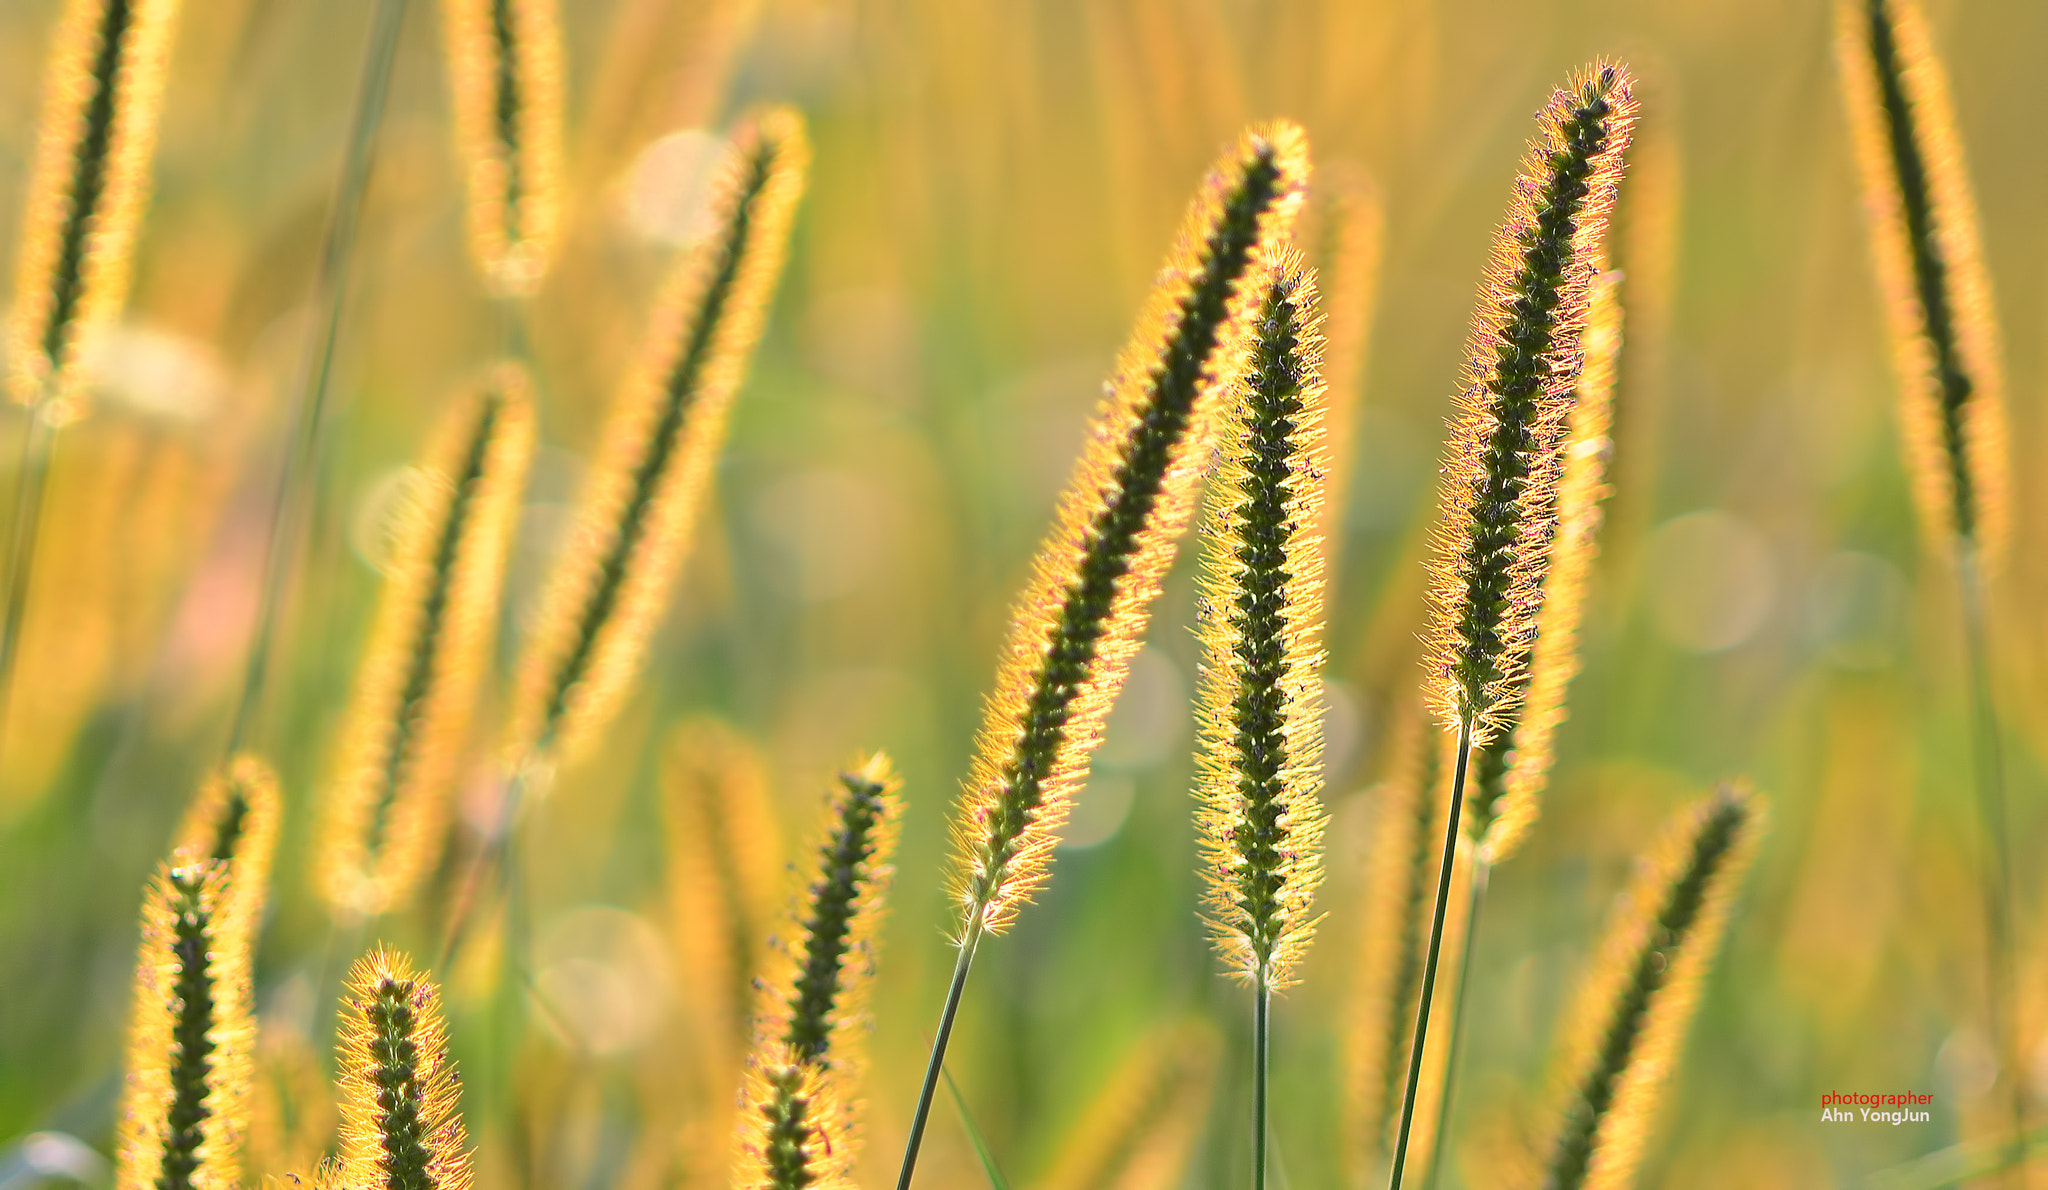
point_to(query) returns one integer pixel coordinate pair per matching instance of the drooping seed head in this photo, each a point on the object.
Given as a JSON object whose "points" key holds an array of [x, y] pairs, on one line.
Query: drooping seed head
{"points": [[1083, 614], [505, 71], [633, 526], [235, 819], [1633, 1011], [87, 188], [1930, 263], [1505, 456], [400, 1109], [1511, 774], [1140, 1130], [1260, 618], [386, 813], [184, 1108]]}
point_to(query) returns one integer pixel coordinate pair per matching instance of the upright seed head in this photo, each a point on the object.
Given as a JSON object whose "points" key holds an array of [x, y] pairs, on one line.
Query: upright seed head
{"points": [[1260, 613], [235, 819], [1634, 1009], [1930, 263], [1083, 614], [184, 1109], [1140, 1130], [400, 1110], [429, 652], [1511, 775], [798, 1123], [505, 69], [611, 585], [87, 188], [1506, 451]]}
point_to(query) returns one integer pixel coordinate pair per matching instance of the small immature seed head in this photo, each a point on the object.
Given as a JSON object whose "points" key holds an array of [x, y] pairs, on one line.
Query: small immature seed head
{"points": [[505, 67], [235, 819], [401, 1118], [1505, 457]]}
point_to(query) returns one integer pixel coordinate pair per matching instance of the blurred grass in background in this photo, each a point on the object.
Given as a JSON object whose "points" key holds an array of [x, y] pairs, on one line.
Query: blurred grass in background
{"points": [[994, 185]]}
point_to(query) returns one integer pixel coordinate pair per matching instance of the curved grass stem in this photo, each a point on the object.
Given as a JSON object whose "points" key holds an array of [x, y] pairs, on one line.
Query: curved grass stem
{"points": [[937, 1065], [292, 499], [1436, 939], [37, 439], [1463, 983]]}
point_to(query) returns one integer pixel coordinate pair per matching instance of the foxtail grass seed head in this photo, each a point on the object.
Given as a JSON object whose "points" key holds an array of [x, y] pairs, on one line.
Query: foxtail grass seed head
{"points": [[400, 1110], [1634, 1009], [1140, 1130], [1260, 613], [1512, 774], [1930, 264], [87, 188], [505, 70], [184, 1109], [1083, 613], [429, 651], [632, 530], [726, 876], [1506, 452], [791, 1134], [235, 819]]}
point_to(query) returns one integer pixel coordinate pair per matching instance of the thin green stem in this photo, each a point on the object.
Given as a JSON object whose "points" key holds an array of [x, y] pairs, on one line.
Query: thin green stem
{"points": [[1990, 773], [968, 940], [1436, 941], [291, 500], [33, 477], [1262, 1030], [1463, 977], [488, 854]]}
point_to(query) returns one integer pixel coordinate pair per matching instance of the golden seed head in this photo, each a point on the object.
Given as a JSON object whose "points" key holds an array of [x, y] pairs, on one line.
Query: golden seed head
{"points": [[1930, 264], [505, 71], [386, 812], [1633, 1010], [1261, 619], [792, 1130], [1505, 457], [633, 526], [184, 1108], [400, 1099], [87, 188], [1083, 613], [1140, 1130], [235, 818]]}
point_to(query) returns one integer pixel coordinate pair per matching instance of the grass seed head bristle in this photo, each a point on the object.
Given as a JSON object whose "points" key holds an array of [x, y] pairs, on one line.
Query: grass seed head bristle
{"points": [[1633, 1011], [1511, 775], [400, 1109], [235, 818], [726, 876], [87, 187], [1140, 1130], [1408, 825], [1505, 457], [633, 526], [813, 999], [429, 652], [184, 1109], [505, 70], [792, 1129], [1084, 611], [1260, 613], [1930, 265]]}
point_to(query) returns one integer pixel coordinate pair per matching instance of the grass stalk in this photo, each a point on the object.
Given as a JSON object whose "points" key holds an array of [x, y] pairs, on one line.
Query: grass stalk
{"points": [[32, 479], [1262, 1030], [1461, 984], [292, 498], [935, 1067]]}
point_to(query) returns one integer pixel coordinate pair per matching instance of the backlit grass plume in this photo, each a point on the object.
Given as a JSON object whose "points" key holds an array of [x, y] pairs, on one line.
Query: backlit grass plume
{"points": [[428, 654], [401, 1119], [184, 1109], [1084, 612], [633, 527], [234, 819], [797, 1124], [1260, 818], [1937, 297], [1506, 454], [87, 187], [505, 70], [1635, 1008], [1140, 1130]]}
